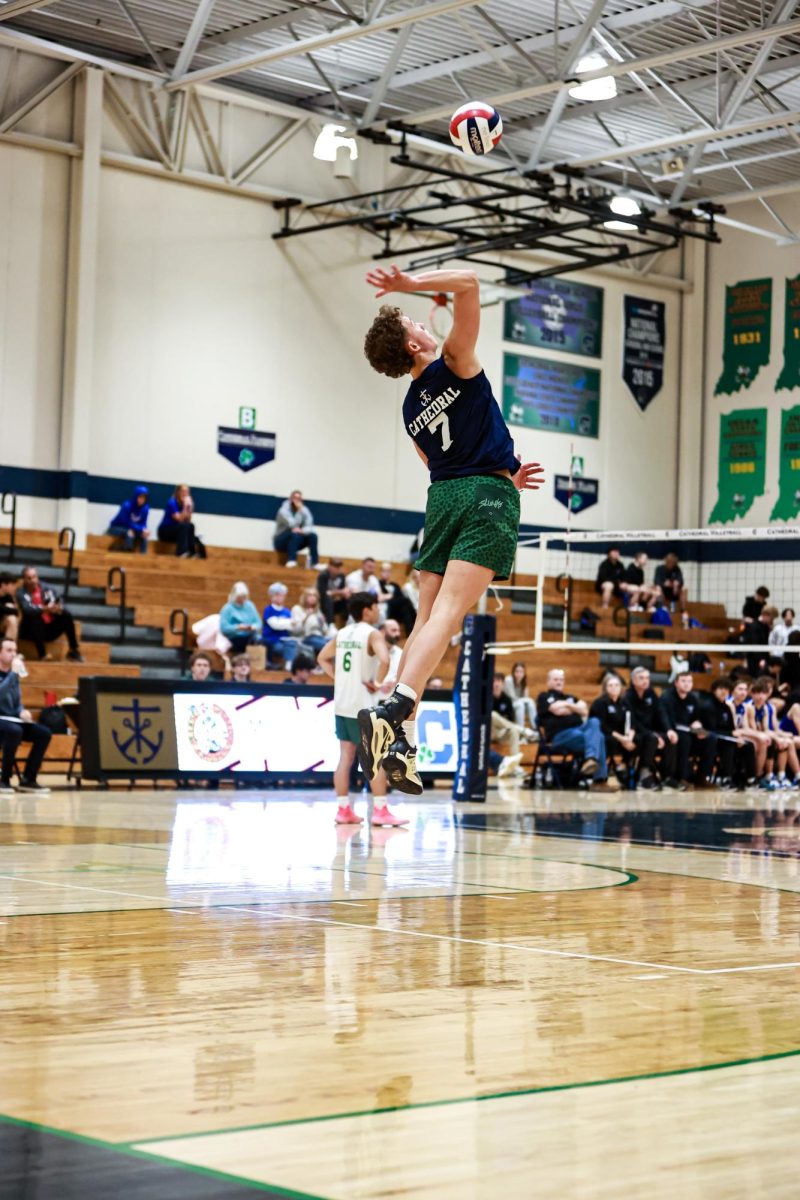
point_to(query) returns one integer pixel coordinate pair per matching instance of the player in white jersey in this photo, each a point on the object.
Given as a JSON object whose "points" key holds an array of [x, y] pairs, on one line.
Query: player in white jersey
{"points": [[356, 659]]}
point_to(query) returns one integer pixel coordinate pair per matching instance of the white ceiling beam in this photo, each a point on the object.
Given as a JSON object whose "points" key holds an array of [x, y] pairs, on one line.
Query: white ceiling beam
{"points": [[381, 87], [777, 120], [411, 16], [744, 37], [739, 92], [25, 41], [15, 8], [636, 18], [199, 22], [264, 24], [38, 96], [567, 65], [142, 36], [788, 187]]}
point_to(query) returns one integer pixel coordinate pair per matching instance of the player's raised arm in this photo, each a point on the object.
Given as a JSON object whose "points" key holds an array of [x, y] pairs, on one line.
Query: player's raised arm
{"points": [[464, 287]]}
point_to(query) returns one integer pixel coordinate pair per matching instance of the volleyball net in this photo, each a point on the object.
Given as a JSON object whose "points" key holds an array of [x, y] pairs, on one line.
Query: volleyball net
{"points": [[558, 600]]}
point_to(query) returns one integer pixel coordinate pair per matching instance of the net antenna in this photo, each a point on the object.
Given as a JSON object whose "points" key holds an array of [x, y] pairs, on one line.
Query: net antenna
{"points": [[566, 575]]}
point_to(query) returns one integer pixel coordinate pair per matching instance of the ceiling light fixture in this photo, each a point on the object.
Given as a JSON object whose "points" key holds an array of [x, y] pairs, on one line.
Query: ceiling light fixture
{"points": [[331, 140], [623, 206], [603, 88]]}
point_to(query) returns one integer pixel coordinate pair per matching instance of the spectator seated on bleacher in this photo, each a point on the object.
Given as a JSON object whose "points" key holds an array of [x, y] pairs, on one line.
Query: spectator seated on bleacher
{"points": [[44, 617], [302, 668], [364, 579], [751, 609], [515, 687], [779, 634], [668, 579], [130, 523], [177, 524], [333, 592], [685, 721], [610, 577], [294, 531], [736, 756], [309, 625], [640, 595], [276, 628], [9, 613], [395, 605], [17, 725], [651, 736], [200, 666], [757, 633], [239, 619], [504, 726], [241, 669], [565, 724]]}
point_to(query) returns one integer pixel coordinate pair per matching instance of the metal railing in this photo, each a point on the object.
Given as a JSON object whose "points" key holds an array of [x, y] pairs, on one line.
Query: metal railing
{"points": [[116, 585], [182, 631], [69, 533], [8, 507]]}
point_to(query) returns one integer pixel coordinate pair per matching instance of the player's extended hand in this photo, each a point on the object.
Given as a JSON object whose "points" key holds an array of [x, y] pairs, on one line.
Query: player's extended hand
{"points": [[529, 477], [393, 280]]}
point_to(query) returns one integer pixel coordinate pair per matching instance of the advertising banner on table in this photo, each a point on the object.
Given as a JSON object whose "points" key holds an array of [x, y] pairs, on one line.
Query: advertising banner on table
{"points": [[790, 375], [644, 334], [742, 462], [748, 322], [787, 505], [558, 397], [557, 314], [472, 693]]}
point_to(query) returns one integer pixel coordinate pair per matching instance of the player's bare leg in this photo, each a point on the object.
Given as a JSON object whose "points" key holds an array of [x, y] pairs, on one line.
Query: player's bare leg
{"points": [[461, 587], [341, 783]]}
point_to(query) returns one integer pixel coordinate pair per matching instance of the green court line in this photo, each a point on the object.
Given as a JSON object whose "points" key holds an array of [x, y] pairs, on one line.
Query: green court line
{"points": [[127, 1149], [504, 1095]]}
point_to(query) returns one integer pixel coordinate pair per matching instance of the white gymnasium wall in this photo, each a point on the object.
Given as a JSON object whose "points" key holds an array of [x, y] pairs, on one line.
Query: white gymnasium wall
{"points": [[33, 216]]}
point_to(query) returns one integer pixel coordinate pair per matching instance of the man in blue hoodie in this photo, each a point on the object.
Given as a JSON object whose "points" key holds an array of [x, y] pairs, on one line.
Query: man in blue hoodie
{"points": [[130, 523], [17, 725]]}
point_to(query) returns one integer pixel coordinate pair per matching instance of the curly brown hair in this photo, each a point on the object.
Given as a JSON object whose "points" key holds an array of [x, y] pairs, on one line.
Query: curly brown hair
{"points": [[385, 344]]}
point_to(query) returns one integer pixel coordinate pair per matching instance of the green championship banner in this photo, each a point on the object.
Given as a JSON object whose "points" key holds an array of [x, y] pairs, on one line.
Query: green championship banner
{"points": [[558, 397], [748, 321], [742, 462], [557, 314], [787, 505], [790, 375]]}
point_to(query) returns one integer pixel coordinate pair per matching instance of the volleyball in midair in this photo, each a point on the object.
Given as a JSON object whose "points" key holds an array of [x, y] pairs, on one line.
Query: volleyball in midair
{"points": [[476, 128]]}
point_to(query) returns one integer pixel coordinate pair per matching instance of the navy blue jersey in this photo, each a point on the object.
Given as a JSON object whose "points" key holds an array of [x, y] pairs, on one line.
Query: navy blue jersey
{"points": [[457, 424]]}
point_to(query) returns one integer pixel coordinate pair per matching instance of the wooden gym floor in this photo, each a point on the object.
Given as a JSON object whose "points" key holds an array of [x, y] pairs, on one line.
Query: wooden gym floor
{"points": [[552, 995]]}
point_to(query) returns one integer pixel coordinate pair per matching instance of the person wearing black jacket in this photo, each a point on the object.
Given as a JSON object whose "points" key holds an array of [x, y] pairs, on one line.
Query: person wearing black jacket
{"points": [[736, 756], [757, 632], [333, 592], [44, 617], [610, 576], [681, 715], [641, 701], [17, 725], [751, 609]]}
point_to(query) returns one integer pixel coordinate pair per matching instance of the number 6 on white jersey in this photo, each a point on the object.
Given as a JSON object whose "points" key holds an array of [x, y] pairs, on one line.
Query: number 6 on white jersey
{"points": [[441, 420]]}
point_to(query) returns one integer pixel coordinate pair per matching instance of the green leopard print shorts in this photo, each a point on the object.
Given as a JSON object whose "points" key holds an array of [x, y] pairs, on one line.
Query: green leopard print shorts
{"points": [[474, 519]]}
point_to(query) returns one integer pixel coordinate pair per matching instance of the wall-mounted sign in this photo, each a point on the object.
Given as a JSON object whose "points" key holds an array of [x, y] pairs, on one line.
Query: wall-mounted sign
{"points": [[790, 375], [245, 448], [742, 462], [577, 495], [643, 348], [247, 417], [557, 314], [556, 397], [787, 505], [748, 322]]}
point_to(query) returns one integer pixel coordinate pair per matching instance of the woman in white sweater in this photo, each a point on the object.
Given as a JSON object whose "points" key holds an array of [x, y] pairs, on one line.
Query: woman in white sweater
{"points": [[309, 624]]}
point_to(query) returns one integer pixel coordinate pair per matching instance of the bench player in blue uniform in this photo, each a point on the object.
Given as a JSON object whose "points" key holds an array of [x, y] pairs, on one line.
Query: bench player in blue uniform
{"points": [[472, 513]]}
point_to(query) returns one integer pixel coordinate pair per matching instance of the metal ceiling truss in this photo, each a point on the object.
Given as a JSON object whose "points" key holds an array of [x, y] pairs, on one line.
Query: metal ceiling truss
{"points": [[484, 218], [703, 74]]}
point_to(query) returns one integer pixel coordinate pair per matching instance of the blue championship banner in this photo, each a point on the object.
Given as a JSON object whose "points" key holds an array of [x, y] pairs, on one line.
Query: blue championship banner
{"points": [[557, 314], [472, 693], [245, 448]]}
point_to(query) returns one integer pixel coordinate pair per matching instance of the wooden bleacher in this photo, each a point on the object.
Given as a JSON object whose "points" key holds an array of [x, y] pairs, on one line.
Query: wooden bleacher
{"points": [[156, 584]]}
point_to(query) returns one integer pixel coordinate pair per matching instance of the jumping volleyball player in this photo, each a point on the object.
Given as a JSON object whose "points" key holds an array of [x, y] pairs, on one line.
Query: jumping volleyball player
{"points": [[472, 514]]}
